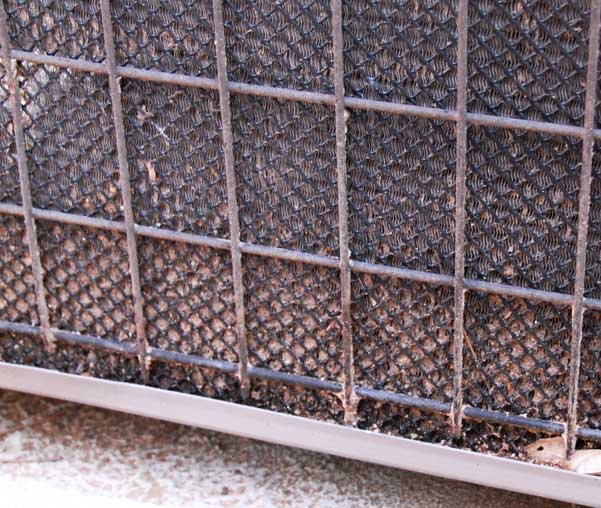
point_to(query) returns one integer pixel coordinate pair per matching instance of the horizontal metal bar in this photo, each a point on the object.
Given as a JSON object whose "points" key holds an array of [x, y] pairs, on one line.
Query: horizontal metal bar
{"points": [[282, 93], [196, 361], [549, 427], [503, 122], [166, 78], [172, 356], [21, 328], [11, 209], [400, 109], [76, 64], [402, 273], [301, 432], [305, 381], [307, 97], [289, 255], [95, 342], [304, 257], [400, 399], [177, 236], [518, 291], [430, 405]]}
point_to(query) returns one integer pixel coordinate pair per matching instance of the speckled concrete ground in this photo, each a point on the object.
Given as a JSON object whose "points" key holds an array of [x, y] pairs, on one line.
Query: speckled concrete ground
{"points": [[54, 453]]}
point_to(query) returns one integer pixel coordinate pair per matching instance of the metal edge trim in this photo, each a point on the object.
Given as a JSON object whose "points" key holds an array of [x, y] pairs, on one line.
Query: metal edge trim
{"points": [[300, 432]]}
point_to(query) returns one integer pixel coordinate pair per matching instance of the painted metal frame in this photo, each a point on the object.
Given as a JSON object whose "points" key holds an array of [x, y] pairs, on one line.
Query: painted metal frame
{"points": [[314, 435]]}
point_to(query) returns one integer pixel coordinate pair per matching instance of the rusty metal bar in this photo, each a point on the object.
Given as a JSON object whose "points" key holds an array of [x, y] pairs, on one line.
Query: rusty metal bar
{"points": [[30, 227], [584, 201], [345, 267], [502, 122], [429, 405], [308, 97], [459, 282], [128, 215], [232, 198], [304, 257]]}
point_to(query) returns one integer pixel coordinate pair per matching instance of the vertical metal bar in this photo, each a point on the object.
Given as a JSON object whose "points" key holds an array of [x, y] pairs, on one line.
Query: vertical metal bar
{"points": [[345, 268], [30, 227], [232, 199], [132, 250], [459, 282], [584, 199]]}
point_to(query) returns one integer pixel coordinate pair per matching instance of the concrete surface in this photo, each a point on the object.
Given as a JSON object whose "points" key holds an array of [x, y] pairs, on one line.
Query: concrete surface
{"points": [[54, 453]]}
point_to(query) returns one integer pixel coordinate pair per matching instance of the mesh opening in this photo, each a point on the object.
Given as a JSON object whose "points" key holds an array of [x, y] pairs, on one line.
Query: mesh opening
{"points": [[527, 59], [87, 280], [175, 36], [401, 51], [401, 181], [188, 299], [590, 381], [522, 208], [70, 141], [286, 171], [195, 381], [17, 298], [411, 423], [292, 317], [592, 281], [517, 355], [9, 175], [176, 163], [283, 44], [66, 28], [402, 336], [295, 400]]}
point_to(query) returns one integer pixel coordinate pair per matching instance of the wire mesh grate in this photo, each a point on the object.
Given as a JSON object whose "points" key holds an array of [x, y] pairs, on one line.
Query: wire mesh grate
{"points": [[528, 59], [399, 160], [66, 28], [401, 191], [70, 140], [175, 156], [188, 299], [87, 280], [175, 36], [17, 299], [522, 208]]}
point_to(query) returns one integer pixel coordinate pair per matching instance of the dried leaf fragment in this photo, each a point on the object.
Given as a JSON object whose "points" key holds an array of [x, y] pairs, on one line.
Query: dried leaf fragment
{"points": [[551, 451]]}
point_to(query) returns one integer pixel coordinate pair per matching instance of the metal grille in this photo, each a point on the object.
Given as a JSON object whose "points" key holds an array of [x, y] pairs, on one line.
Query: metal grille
{"points": [[375, 214]]}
